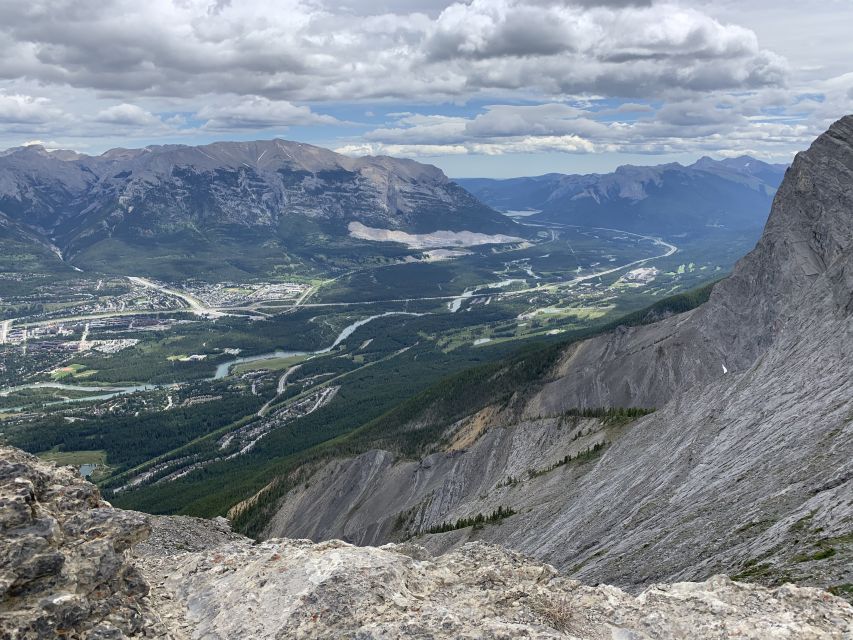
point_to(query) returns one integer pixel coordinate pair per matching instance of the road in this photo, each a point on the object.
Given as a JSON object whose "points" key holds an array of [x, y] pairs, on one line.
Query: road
{"points": [[196, 305], [282, 383], [96, 316], [83, 342]]}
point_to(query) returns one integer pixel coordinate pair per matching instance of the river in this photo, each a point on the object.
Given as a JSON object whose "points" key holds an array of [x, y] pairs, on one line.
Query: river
{"points": [[221, 371], [223, 368]]}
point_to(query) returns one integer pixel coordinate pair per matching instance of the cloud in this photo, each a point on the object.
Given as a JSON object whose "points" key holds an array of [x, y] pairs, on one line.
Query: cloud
{"points": [[569, 76], [24, 110], [421, 129], [698, 124], [257, 112], [302, 51], [128, 115], [525, 144], [543, 120], [402, 150], [23, 114]]}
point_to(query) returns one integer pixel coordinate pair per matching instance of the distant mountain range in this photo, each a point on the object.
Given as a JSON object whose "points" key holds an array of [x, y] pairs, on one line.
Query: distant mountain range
{"points": [[667, 199], [230, 209], [227, 201]]}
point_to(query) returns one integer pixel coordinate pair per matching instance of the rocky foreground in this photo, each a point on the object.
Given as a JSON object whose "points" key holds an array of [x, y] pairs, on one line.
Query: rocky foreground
{"points": [[71, 566]]}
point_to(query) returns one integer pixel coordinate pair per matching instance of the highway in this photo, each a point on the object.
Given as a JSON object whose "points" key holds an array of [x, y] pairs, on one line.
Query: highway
{"points": [[196, 305]]}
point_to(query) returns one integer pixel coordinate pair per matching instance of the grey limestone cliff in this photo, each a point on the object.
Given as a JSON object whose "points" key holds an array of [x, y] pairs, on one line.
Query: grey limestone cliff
{"points": [[63, 572]]}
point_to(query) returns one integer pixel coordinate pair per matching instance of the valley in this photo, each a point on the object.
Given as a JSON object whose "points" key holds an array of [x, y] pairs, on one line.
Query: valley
{"points": [[673, 446], [169, 389], [481, 320]]}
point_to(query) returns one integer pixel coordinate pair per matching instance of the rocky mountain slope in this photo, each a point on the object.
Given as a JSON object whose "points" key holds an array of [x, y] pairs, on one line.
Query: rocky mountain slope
{"points": [[667, 199], [744, 468], [65, 571], [190, 197]]}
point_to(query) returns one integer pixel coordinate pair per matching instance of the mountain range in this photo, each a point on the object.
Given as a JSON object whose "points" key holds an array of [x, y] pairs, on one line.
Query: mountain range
{"points": [[237, 209], [225, 202], [667, 199]]}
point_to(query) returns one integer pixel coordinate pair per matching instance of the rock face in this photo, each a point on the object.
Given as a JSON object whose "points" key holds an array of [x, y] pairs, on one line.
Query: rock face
{"points": [[808, 231], [745, 467], [68, 571], [399, 499], [62, 567]]}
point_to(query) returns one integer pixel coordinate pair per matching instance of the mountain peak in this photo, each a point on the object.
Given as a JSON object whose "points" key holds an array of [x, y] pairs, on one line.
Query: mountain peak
{"points": [[270, 155], [263, 187], [812, 217]]}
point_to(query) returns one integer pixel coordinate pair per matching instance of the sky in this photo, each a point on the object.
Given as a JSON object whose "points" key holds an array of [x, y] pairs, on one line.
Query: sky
{"points": [[492, 88]]}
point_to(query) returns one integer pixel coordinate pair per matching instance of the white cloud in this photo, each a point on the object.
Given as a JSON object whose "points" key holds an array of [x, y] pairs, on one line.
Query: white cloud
{"points": [[701, 124], [403, 150], [544, 120], [423, 129], [572, 76], [519, 144], [257, 112], [23, 110], [127, 114], [298, 50]]}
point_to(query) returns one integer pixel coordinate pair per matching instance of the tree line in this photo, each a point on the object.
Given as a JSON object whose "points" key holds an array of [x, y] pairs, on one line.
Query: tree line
{"points": [[473, 521]]}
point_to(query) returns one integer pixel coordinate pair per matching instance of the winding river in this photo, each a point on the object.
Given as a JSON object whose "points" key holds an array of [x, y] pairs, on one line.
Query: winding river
{"points": [[222, 369]]}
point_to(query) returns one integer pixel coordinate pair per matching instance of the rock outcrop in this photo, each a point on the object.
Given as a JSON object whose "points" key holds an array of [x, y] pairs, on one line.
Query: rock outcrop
{"points": [[63, 571], [746, 467], [300, 590], [68, 571]]}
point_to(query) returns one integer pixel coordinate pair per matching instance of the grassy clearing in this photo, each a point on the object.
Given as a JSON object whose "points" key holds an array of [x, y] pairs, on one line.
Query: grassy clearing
{"points": [[273, 364], [71, 371]]}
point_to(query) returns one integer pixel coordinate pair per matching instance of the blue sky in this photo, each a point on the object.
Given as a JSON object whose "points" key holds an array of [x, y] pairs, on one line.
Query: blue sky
{"points": [[480, 88]]}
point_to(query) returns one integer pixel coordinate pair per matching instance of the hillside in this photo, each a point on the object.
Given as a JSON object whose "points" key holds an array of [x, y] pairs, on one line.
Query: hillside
{"points": [[232, 207], [733, 194], [743, 468]]}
